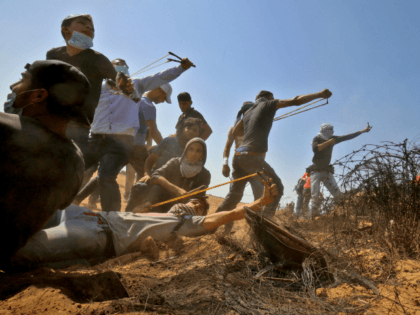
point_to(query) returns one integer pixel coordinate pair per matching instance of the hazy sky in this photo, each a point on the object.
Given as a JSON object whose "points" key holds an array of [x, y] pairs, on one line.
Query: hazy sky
{"points": [[365, 52]]}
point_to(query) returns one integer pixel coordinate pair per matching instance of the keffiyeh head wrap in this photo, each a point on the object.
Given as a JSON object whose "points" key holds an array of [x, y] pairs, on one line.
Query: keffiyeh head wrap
{"points": [[181, 209], [189, 170], [326, 131]]}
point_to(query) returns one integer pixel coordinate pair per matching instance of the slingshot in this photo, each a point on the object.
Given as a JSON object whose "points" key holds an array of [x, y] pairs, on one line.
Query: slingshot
{"points": [[299, 110]]}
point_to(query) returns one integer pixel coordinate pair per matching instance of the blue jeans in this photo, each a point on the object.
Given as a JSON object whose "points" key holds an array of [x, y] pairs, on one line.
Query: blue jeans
{"points": [[329, 182], [245, 165], [112, 152]]}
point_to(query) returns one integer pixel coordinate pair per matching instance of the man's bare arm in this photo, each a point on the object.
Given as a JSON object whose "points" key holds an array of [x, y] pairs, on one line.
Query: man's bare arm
{"points": [[322, 146], [333, 141], [303, 99], [226, 153], [150, 161], [215, 220], [238, 130], [154, 131], [206, 131], [162, 181]]}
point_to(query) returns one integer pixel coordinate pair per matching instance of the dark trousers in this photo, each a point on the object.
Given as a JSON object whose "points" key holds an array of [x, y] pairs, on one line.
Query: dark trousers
{"points": [[245, 165], [112, 152], [80, 135], [137, 158]]}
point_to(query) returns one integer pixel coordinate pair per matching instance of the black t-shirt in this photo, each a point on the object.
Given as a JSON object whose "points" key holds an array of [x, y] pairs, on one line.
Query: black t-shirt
{"points": [[95, 66], [191, 113], [322, 159], [257, 125]]}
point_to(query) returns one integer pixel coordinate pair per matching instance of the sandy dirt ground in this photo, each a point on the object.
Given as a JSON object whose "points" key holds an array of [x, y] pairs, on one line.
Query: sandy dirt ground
{"points": [[207, 275]]}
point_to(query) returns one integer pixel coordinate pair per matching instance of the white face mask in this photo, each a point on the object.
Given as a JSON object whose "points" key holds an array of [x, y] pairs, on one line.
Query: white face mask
{"points": [[80, 41], [124, 69]]}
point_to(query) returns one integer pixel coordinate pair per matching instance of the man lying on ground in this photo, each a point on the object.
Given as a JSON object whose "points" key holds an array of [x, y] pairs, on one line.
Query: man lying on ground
{"points": [[41, 170], [79, 233], [174, 179]]}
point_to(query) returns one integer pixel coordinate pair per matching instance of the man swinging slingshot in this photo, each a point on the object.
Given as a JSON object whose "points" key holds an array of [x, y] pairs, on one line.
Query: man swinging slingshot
{"points": [[255, 126], [321, 170]]}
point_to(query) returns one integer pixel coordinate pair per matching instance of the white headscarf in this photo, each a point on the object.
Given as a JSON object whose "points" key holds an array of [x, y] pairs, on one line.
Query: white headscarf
{"points": [[326, 131], [189, 170]]}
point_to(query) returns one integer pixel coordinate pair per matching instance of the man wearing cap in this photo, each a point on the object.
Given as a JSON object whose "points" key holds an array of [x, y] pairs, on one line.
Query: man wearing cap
{"points": [[78, 32], [115, 121], [185, 102], [255, 127], [41, 169]]}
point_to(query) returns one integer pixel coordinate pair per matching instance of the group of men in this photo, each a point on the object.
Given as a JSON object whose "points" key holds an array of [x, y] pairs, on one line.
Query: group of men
{"points": [[62, 119]]}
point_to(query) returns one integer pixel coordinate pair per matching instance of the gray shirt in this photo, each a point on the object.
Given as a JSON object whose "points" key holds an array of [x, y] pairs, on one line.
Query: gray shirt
{"points": [[257, 126], [130, 229]]}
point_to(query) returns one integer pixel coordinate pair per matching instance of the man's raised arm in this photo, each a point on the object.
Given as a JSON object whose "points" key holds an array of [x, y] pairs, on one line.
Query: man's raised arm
{"points": [[303, 99]]}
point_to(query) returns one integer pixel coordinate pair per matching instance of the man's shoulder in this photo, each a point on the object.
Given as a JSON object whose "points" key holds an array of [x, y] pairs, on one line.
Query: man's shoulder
{"points": [[192, 112], [30, 134], [168, 141], [56, 51]]}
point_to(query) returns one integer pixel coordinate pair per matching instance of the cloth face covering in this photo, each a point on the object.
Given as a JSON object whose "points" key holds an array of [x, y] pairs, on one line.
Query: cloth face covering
{"points": [[124, 70], [190, 170], [9, 104], [326, 131], [80, 41], [187, 169]]}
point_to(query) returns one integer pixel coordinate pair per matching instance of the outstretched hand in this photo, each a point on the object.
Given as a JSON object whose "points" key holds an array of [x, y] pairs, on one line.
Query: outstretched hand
{"points": [[186, 63], [367, 129], [269, 192], [326, 93]]}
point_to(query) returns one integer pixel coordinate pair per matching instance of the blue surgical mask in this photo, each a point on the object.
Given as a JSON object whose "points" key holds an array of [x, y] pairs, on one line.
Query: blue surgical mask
{"points": [[80, 41], [9, 104], [124, 69]]}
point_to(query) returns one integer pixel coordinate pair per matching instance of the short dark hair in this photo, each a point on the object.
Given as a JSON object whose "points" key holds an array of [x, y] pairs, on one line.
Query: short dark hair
{"points": [[265, 94], [193, 122], [203, 201], [184, 97], [69, 19], [67, 87]]}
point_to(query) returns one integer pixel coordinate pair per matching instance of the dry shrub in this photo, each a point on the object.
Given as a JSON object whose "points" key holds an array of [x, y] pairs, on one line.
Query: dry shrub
{"points": [[381, 188]]}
